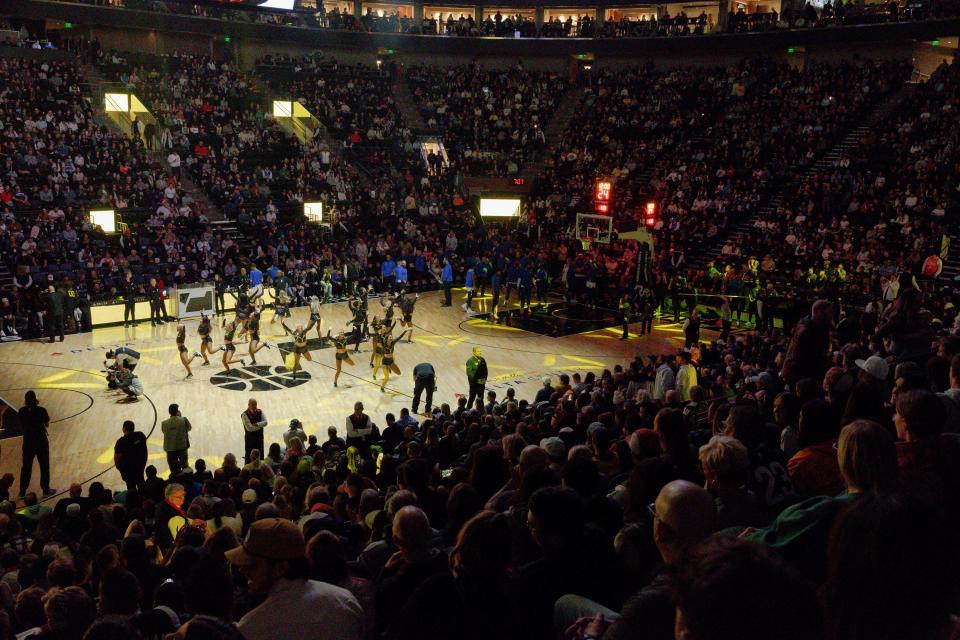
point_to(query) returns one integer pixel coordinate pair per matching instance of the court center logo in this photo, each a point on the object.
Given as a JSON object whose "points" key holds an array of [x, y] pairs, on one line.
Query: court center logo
{"points": [[259, 378]]}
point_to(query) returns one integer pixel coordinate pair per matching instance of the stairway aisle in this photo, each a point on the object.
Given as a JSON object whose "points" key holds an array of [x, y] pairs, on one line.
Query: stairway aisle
{"points": [[409, 111], [96, 81], [6, 277], [213, 212], [553, 132]]}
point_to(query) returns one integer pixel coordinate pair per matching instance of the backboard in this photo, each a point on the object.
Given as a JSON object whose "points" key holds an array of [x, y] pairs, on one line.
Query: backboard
{"points": [[593, 228]]}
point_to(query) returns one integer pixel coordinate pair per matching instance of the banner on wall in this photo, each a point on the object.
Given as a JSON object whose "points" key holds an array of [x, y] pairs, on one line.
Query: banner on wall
{"points": [[194, 301]]}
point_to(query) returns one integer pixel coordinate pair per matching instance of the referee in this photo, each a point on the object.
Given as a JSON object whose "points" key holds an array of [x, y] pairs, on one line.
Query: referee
{"points": [[424, 377]]}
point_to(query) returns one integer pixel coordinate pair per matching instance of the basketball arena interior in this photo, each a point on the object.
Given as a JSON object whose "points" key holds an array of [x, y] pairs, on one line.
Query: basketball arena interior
{"points": [[532, 320]]}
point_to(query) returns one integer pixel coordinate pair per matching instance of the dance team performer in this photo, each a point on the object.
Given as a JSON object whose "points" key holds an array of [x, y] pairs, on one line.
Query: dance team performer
{"points": [[206, 341], [182, 349], [244, 309], [359, 321], [388, 303], [253, 329], [228, 348], [340, 344], [389, 365], [407, 305], [376, 352], [281, 307], [315, 318], [300, 349]]}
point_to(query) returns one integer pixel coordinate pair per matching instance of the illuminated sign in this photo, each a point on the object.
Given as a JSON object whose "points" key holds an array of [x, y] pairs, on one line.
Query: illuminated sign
{"points": [[602, 196], [604, 191], [289, 109], [499, 207], [313, 211], [106, 219], [282, 109], [122, 103], [116, 102], [285, 5], [650, 214]]}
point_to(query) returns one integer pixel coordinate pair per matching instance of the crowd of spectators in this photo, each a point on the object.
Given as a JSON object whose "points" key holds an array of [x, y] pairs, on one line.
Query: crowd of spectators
{"points": [[720, 490], [492, 120], [712, 147], [53, 152], [236, 158], [878, 209], [659, 26], [354, 102], [830, 15], [795, 484], [58, 162], [713, 143], [210, 115], [581, 26], [777, 122]]}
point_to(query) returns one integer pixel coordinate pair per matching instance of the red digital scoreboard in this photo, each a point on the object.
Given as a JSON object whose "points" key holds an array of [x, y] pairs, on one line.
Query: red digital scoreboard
{"points": [[602, 196], [650, 214]]}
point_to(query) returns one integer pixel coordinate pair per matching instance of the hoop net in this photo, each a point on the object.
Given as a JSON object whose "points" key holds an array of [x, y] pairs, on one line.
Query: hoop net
{"points": [[586, 242]]}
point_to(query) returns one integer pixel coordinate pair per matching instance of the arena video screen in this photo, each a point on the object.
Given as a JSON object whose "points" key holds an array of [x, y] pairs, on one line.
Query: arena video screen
{"points": [[499, 207], [275, 5]]}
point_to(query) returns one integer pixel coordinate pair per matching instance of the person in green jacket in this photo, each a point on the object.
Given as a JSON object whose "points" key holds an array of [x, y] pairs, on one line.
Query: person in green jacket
{"points": [[176, 439], [476, 376], [625, 316]]}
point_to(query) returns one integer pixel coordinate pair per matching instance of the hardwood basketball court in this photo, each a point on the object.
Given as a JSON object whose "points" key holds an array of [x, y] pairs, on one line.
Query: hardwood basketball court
{"points": [[86, 416]]}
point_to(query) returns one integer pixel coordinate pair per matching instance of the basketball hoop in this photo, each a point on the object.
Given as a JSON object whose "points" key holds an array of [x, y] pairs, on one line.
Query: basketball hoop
{"points": [[593, 229]]}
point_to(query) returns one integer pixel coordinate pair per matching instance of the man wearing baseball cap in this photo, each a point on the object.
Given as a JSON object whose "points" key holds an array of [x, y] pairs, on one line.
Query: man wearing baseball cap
{"points": [[272, 560], [875, 366]]}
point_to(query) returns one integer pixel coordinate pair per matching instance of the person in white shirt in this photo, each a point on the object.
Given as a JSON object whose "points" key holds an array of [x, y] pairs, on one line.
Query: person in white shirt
{"points": [[174, 161], [686, 376], [254, 422], [359, 427], [272, 560], [665, 380]]}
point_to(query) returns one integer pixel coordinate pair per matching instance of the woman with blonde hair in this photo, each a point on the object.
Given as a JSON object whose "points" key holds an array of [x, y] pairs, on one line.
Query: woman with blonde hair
{"points": [[315, 318], [300, 348], [726, 463], [868, 457], [295, 450]]}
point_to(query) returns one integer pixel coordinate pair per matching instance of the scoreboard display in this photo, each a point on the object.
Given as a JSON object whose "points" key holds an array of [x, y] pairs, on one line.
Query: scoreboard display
{"points": [[602, 195]]}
